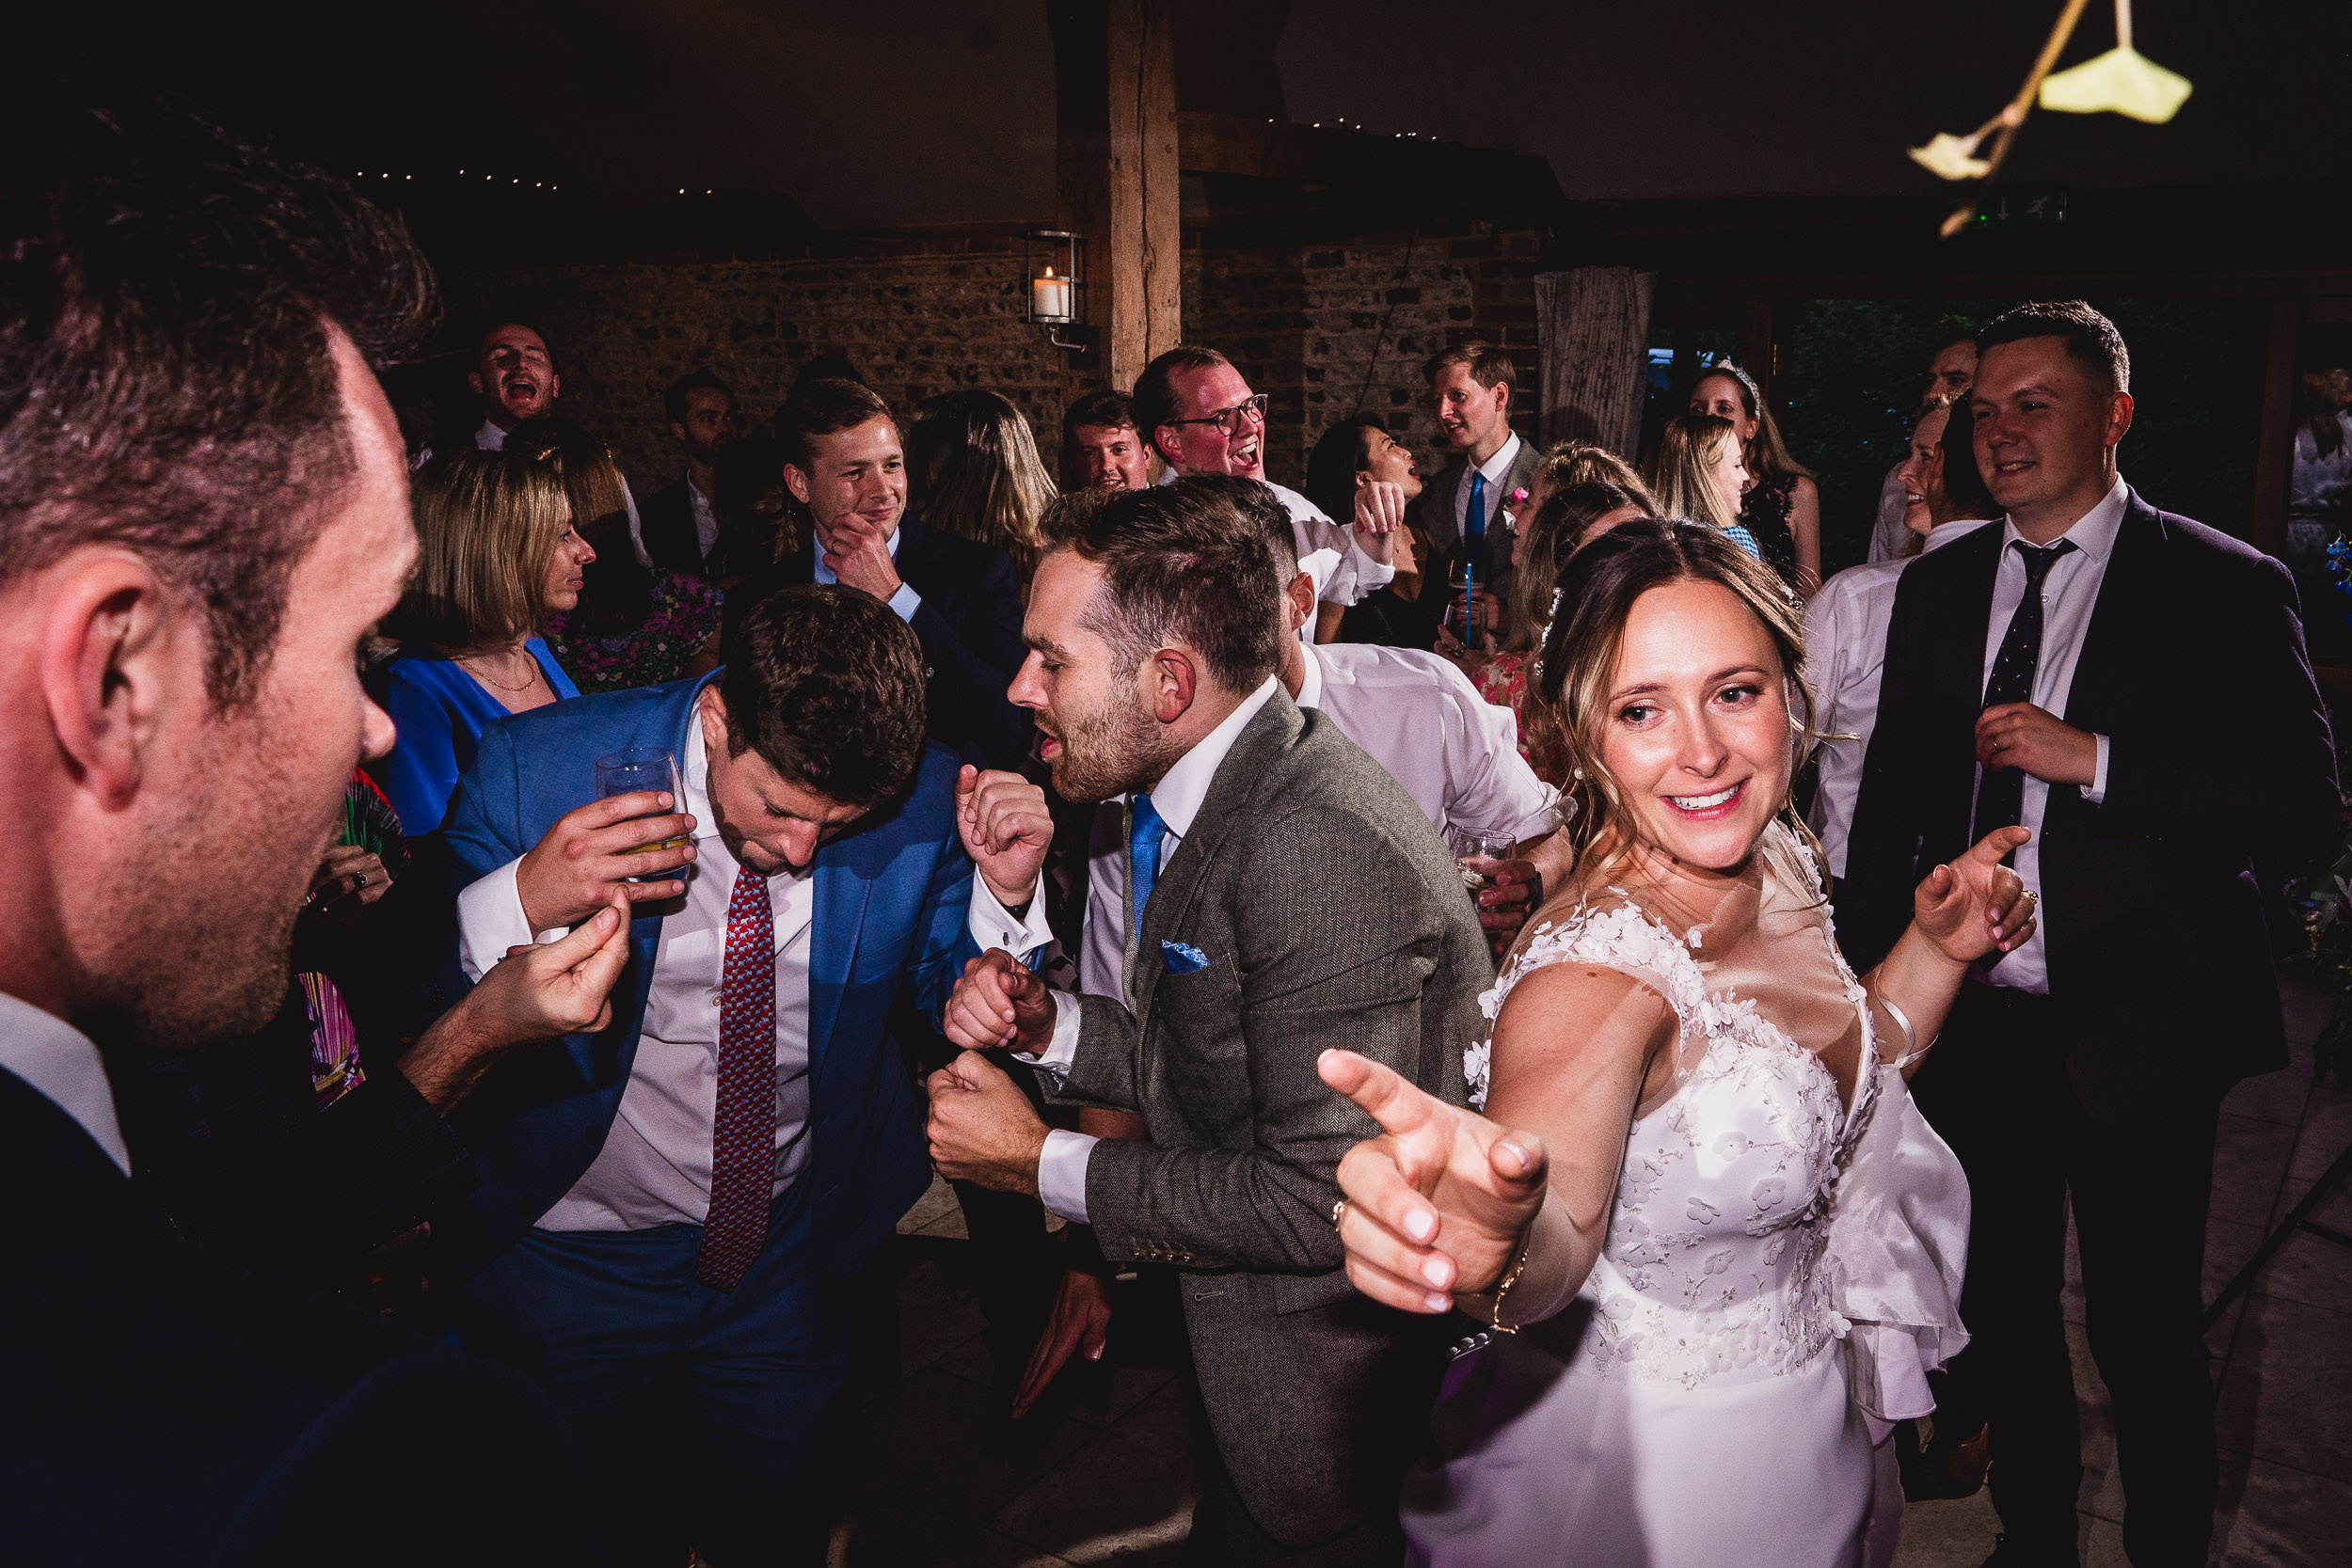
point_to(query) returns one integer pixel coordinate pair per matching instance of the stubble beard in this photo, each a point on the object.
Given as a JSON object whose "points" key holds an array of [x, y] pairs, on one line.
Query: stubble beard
{"points": [[1110, 751]]}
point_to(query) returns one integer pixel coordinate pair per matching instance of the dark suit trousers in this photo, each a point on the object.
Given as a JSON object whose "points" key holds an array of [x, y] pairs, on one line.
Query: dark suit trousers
{"points": [[710, 1419], [1997, 1088]]}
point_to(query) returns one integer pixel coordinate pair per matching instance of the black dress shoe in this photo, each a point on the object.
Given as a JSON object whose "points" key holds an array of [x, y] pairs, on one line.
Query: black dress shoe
{"points": [[1948, 1466]]}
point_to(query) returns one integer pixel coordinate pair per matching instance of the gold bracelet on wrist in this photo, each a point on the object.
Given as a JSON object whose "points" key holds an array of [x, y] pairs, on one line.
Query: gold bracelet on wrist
{"points": [[1511, 1277]]}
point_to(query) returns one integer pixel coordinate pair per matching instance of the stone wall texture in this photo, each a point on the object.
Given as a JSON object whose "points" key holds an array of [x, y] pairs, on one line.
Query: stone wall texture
{"points": [[1325, 329]]}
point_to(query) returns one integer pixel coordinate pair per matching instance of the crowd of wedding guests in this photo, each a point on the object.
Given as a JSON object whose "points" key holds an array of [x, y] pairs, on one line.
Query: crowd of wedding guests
{"points": [[1383, 930]]}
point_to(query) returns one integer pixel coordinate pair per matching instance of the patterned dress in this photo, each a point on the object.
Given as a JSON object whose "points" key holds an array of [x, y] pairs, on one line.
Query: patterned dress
{"points": [[685, 613], [1764, 512], [1503, 681]]}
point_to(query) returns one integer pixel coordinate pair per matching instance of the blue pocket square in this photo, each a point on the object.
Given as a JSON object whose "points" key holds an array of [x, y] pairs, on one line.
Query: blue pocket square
{"points": [[1182, 958]]}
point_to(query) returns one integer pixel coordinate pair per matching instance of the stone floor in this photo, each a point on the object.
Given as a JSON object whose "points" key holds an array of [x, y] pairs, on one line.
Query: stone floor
{"points": [[1116, 1480]]}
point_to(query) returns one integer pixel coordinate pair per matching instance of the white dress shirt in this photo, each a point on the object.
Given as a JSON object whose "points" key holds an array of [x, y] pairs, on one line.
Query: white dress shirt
{"points": [[1413, 713], [1062, 1167], [2070, 592], [1845, 653], [1328, 552], [57, 1059], [904, 603], [654, 1166], [1497, 469]]}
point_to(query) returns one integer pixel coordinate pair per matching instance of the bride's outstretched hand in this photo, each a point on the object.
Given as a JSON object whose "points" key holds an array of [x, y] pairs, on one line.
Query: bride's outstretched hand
{"points": [[1437, 1202], [1975, 906]]}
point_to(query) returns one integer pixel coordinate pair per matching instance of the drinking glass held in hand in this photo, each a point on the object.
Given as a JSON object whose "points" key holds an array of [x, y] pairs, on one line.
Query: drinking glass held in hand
{"points": [[643, 771], [1478, 854]]}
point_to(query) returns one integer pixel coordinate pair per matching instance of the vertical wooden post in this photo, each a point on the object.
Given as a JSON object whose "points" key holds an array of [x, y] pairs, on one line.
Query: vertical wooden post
{"points": [[1116, 174], [2274, 453]]}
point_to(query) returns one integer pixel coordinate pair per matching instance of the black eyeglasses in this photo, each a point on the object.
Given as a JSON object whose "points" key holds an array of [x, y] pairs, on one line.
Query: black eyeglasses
{"points": [[1250, 410]]}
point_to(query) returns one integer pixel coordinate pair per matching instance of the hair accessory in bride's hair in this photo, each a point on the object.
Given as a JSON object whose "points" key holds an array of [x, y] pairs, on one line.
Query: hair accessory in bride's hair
{"points": [[1543, 639]]}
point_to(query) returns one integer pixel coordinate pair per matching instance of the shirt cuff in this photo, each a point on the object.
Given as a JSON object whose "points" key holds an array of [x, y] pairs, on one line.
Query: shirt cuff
{"points": [[1061, 1173], [490, 920], [1063, 1048], [2096, 790], [1369, 574], [906, 601], [993, 926]]}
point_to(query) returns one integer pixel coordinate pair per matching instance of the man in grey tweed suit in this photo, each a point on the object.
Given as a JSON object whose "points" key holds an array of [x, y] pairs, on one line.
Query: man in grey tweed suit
{"points": [[1286, 897]]}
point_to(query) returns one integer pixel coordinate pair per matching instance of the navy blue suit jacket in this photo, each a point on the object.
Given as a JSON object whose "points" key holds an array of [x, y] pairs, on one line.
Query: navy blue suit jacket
{"points": [[164, 1406], [892, 903], [969, 623]]}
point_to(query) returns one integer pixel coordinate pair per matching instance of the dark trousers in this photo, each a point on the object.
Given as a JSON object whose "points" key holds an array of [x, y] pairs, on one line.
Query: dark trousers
{"points": [[1997, 1088], [715, 1419]]}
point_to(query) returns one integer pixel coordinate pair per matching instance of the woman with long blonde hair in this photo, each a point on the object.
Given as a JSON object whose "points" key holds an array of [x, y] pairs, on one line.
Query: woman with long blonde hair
{"points": [[978, 474], [1714, 1246], [1699, 471]]}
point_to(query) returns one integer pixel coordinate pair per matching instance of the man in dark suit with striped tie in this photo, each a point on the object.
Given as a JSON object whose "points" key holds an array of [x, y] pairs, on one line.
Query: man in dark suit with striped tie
{"points": [[2132, 687]]}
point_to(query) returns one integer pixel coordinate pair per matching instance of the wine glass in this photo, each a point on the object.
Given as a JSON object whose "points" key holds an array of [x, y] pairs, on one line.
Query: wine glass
{"points": [[642, 769]]}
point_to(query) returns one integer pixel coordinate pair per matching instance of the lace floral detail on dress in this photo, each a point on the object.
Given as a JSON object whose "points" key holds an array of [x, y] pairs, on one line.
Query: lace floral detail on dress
{"points": [[1713, 1264]]}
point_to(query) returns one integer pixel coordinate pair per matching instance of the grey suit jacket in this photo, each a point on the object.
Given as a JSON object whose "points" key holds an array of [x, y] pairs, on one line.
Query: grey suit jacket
{"points": [[1434, 510], [1330, 915]]}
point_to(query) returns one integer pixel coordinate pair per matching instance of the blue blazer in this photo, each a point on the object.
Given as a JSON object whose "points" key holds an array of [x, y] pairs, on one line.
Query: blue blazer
{"points": [[892, 904], [440, 712]]}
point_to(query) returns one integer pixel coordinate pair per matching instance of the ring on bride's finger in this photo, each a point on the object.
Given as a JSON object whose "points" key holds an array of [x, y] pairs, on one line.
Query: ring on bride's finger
{"points": [[1338, 1213]]}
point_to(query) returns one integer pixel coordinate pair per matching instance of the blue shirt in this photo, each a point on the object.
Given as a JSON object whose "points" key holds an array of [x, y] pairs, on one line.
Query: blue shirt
{"points": [[441, 712], [906, 601]]}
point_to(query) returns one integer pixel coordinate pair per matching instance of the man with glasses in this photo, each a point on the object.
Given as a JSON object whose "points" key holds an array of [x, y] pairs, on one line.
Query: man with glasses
{"points": [[1199, 414]]}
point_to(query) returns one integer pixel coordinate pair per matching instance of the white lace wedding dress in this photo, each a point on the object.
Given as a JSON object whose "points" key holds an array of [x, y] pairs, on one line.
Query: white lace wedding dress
{"points": [[1780, 1271]]}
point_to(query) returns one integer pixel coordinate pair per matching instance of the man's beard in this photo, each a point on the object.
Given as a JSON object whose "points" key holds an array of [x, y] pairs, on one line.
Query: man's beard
{"points": [[1107, 752]]}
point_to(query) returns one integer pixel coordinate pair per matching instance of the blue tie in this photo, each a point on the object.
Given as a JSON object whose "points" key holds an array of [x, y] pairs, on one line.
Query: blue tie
{"points": [[1474, 520], [1144, 833]]}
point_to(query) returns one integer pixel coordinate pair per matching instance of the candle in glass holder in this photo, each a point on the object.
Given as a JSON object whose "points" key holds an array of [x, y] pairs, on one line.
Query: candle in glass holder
{"points": [[1049, 297]]}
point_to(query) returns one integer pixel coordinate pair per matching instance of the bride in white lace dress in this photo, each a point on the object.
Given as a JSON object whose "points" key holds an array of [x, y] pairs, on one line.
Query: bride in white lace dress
{"points": [[1713, 1246]]}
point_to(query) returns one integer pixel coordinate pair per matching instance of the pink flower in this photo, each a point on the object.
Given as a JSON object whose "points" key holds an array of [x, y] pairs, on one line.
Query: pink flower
{"points": [[1517, 496]]}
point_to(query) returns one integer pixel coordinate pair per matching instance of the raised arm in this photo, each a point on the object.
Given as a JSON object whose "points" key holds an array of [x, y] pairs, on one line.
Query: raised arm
{"points": [[1442, 1202]]}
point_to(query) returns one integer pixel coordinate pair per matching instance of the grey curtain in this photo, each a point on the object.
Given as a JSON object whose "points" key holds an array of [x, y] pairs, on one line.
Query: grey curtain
{"points": [[1593, 325]]}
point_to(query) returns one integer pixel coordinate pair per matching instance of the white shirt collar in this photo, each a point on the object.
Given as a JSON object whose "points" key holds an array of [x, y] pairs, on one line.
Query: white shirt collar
{"points": [[490, 437], [694, 776], [1178, 795], [2093, 532], [59, 1060], [1498, 465], [1944, 533], [1310, 685]]}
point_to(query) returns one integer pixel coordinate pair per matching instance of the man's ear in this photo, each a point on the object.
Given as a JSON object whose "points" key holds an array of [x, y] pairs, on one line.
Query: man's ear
{"points": [[1502, 397], [1300, 601], [118, 655], [796, 482], [1172, 682], [473, 379], [555, 385], [2118, 416], [678, 433]]}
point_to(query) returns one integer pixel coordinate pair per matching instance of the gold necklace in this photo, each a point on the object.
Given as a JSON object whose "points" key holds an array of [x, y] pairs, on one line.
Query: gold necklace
{"points": [[529, 681]]}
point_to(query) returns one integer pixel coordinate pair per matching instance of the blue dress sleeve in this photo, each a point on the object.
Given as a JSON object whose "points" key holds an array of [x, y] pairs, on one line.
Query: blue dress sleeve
{"points": [[421, 768]]}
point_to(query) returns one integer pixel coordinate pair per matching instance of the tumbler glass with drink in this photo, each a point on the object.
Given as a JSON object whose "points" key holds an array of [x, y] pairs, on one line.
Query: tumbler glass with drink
{"points": [[644, 770], [1478, 854]]}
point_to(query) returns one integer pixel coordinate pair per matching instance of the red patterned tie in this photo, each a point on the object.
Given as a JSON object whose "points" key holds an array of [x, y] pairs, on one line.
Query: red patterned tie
{"points": [[743, 1131]]}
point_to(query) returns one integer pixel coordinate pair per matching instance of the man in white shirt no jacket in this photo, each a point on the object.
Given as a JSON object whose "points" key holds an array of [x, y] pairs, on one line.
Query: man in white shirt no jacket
{"points": [[1197, 412]]}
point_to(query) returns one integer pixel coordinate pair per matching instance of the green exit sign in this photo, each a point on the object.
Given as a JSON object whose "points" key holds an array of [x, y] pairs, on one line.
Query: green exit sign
{"points": [[2022, 207]]}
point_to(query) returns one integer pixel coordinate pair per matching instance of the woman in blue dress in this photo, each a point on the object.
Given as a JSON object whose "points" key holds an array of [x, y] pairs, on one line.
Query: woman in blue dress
{"points": [[498, 555]]}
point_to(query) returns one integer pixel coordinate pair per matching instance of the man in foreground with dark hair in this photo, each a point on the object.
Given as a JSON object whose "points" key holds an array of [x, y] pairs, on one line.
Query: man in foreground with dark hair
{"points": [[1155, 646], [668, 1204], [676, 521], [843, 462], [2130, 687], [1101, 449], [202, 510]]}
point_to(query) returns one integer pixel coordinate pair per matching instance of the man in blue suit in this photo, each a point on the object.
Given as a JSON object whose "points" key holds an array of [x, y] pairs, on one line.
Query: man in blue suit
{"points": [[668, 1207]]}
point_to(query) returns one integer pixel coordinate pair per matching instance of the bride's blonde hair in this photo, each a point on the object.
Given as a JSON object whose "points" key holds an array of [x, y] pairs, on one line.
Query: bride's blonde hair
{"points": [[1595, 596]]}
